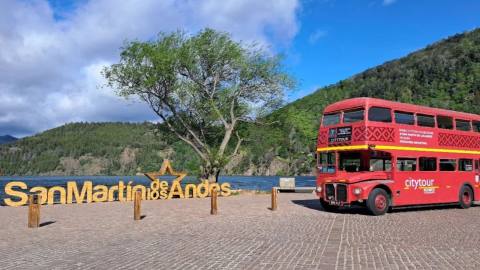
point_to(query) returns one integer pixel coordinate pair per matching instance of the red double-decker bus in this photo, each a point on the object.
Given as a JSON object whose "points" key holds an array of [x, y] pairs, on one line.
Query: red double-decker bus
{"points": [[383, 154]]}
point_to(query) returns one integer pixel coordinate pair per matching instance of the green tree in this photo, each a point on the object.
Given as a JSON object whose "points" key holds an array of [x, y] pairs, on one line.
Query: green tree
{"points": [[201, 87]]}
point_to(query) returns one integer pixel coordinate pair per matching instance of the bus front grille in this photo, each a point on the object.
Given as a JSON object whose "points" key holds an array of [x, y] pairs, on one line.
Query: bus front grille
{"points": [[337, 192], [330, 191], [341, 193]]}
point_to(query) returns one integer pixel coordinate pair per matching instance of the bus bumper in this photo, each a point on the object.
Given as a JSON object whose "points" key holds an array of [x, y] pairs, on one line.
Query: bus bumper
{"points": [[340, 194]]}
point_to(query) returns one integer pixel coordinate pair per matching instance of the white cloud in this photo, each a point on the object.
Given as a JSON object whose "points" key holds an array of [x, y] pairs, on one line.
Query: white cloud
{"points": [[315, 36], [388, 2], [49, 69]]}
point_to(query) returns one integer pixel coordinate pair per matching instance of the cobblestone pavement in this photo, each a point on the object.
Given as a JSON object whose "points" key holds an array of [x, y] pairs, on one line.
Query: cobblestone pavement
{"points": [[181, 234]]}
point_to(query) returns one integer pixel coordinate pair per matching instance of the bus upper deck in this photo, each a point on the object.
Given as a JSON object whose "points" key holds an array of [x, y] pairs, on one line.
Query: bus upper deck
{"points": [[362, 122]]}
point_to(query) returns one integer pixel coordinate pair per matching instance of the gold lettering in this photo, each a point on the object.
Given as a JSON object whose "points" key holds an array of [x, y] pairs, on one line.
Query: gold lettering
{"points": [[215, 186], [42, 191], [129, 191], [226, 191], [141, 188], [163, 190], [121, 190], [19, 194], [190, 188], [110, 193], [100, 193], [163, 185], [72, 191], [163, 194], [175, 189], [154, 195], [204, 186], [51, 194], [149, 196], [17, 191]]}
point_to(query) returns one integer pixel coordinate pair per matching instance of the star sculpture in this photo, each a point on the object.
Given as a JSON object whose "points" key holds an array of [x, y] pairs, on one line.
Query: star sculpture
{"points": [[166, 167]]}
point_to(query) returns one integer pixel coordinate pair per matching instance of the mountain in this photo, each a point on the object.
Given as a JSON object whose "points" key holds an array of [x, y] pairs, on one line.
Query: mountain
{"points": [[7, 139], [445, 74]]}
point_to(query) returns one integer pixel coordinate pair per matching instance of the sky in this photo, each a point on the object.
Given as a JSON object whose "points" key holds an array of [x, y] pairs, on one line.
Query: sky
{"points": [[52, 52]]}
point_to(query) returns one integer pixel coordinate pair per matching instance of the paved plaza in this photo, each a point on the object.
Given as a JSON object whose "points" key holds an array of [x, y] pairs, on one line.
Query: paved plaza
{"points": [[181, 234]]}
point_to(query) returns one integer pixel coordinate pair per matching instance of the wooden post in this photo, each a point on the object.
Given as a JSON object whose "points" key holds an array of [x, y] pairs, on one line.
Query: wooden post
{"points": [[213, 210], [137, 205], [33, 211], [274, 198]]}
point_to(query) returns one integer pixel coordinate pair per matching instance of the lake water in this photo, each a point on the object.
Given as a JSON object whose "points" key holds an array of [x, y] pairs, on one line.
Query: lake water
{"points": [[237, 182]]}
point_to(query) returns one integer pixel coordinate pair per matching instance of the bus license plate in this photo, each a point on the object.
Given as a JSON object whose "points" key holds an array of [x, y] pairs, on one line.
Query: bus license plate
{"points": [[335, 203]]}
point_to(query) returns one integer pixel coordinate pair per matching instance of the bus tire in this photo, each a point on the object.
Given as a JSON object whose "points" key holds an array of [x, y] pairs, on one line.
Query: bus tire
{"points": [[378, 202], [326, 206], [465, 197]]}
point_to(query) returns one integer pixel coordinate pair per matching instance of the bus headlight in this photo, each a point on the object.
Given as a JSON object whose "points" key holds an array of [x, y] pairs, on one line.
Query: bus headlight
{"points": [[357, 191], [319, 189]]}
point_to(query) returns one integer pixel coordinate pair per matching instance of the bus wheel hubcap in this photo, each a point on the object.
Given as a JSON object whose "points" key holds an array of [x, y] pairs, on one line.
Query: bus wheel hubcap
{"points": [[466, 197], [380, 202]]}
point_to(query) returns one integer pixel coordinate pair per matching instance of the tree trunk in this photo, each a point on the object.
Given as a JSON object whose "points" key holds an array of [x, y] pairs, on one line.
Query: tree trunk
{"points": [[211, 174]]}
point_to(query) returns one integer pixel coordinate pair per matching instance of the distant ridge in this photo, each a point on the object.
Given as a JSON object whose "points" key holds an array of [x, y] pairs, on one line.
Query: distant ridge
{"points": [[7, 139]]}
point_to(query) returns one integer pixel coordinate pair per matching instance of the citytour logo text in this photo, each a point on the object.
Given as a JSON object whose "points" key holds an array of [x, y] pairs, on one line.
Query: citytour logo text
{"points": [[427, 185]]}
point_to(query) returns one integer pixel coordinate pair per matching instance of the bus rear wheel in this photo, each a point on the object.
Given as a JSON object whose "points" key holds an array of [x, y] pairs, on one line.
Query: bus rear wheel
{"points": [[378, 202], [466, 197]]}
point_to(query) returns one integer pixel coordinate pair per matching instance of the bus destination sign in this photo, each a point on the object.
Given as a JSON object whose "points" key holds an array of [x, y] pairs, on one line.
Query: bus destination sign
{"points": [[340, 134]]}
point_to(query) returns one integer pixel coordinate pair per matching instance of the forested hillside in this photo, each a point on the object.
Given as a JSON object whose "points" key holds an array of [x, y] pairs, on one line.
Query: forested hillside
{"points": [[92, 149], [445, 74]]}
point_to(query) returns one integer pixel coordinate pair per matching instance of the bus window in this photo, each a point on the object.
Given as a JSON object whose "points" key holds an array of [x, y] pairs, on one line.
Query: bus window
{"points": [[477, 166], [353, 116], [407, 164], [404, 118], [444, 122], [476, 126], [427, 163], [465, 165], [331, 119], [462, 125], [378, 114], [350, 162], [380, 164], [448, 164], [424, 120], [326, 162]]}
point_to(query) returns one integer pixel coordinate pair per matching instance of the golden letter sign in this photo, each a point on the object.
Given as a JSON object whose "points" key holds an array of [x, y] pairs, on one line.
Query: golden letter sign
{"points": [[159, 189]]}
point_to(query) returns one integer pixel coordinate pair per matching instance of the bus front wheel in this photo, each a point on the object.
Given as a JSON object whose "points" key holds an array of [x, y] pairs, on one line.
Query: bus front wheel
{"points": [[466, 197], [378, 202]]}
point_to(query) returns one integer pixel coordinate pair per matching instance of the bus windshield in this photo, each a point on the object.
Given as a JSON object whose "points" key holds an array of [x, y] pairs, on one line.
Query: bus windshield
{"points": [[326, 162], [358, 161], [361, 161], [331, 119]]}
